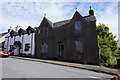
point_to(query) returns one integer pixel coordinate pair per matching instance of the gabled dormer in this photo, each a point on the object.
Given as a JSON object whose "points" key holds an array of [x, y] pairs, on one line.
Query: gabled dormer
{"points": [[77, 16], [13, 33], [45, 26], [77, 21], [30, 30], [45, 22], [21, 31]]}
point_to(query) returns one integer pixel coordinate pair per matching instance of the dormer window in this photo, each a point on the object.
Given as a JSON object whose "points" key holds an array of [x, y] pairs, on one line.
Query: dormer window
{"points": [[38, 31], [43, 32], [29, 31], [77, 26], [20, 33], [46, 31]]}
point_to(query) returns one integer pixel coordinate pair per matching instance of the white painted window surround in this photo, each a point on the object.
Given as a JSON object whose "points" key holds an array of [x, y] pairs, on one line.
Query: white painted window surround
{"points": [[79, 46], [77, 26]]}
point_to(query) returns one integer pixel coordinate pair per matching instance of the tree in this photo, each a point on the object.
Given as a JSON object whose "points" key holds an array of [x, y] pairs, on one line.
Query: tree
{"points": [[108, 46]]}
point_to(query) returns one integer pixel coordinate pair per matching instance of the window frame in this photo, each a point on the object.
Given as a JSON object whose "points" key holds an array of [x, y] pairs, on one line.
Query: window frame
{"points": [[77, 26], [79, 46], [44, 48], [38, 31], [28, 47]]}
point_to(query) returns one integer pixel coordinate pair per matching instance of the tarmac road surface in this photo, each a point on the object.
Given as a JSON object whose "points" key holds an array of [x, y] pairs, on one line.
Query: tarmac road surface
{"points": [[17, 68]]}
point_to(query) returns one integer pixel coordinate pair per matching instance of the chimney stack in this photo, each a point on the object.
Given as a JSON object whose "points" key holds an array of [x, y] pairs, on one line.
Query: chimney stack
{"points": [[10, 29], [91, 11], [17, 28]]}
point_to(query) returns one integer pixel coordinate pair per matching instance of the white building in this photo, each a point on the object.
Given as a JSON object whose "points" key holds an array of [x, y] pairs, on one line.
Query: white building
{"points": [[21, 41]]}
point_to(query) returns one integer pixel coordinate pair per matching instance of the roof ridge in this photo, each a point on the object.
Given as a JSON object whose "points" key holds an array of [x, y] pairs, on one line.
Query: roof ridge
{"points": [[48, 20], [62, 21]]}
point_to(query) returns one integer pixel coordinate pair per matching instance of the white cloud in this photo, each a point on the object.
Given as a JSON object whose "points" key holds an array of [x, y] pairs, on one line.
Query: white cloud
{"points": [[109, 16], [31, 13], [60, 0]]}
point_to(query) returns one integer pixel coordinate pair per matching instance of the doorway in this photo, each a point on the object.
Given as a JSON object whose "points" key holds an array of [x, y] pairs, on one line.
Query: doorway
{"points": [[17, 47], [61, 49], [17, 50]]}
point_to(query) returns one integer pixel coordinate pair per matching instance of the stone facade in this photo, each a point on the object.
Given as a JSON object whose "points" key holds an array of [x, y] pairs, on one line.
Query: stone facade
{"points": [[63, 41]]}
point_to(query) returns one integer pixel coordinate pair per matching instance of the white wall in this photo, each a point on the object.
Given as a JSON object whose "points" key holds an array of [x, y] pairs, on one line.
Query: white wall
{"points": [[29, 39], [26, 39], [10, 42], [33, 44], [18, 38], [6, 41]]}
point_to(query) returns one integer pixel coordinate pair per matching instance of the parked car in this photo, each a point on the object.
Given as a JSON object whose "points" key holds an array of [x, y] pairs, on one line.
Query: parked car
{"points": [[4, 53]]}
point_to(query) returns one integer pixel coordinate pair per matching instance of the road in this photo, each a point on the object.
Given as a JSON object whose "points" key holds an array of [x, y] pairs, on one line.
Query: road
{"points": [[16, 68]]}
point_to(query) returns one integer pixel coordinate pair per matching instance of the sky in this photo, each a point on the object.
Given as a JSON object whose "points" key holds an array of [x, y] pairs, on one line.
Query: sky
{"points": [[31, 13]]}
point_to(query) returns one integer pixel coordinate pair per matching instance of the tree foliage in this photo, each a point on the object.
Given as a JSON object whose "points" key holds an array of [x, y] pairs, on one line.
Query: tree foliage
{"points": [[108, 46]]}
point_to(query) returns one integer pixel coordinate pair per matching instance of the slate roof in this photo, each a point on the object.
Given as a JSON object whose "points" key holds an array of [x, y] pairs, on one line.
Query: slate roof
{"points": [[30, 28], [13, 32], [22, 30], [2, 34], [61, 23], [66, 22], [56, 24], [90, 18]]}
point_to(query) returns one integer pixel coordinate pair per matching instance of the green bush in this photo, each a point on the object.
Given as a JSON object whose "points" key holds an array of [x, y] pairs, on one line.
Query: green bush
{"points": [[105, 64], [108, 46], [112, 61]]}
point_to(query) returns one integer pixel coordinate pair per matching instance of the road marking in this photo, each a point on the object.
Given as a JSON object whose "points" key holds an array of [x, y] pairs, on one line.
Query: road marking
{"points": [[93, 77]]}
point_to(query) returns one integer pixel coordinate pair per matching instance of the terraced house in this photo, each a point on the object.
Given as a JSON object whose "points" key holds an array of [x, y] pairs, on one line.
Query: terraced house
{"points": [[70, 40]]}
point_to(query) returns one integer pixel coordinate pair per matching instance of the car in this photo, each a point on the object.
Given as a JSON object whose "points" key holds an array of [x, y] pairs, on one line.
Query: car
{"points": [[4, 53]]}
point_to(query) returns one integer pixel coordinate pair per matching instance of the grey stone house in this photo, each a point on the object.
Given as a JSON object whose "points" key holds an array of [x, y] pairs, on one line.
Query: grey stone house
{"points": [[70, 40]]}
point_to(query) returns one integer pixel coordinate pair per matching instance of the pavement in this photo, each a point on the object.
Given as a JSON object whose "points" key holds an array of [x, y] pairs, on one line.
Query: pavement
{"points": [[76, 65]]}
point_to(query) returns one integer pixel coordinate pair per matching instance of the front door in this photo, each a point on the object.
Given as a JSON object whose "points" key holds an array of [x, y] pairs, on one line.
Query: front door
{"points": [[60, 49], [17, 50]]}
